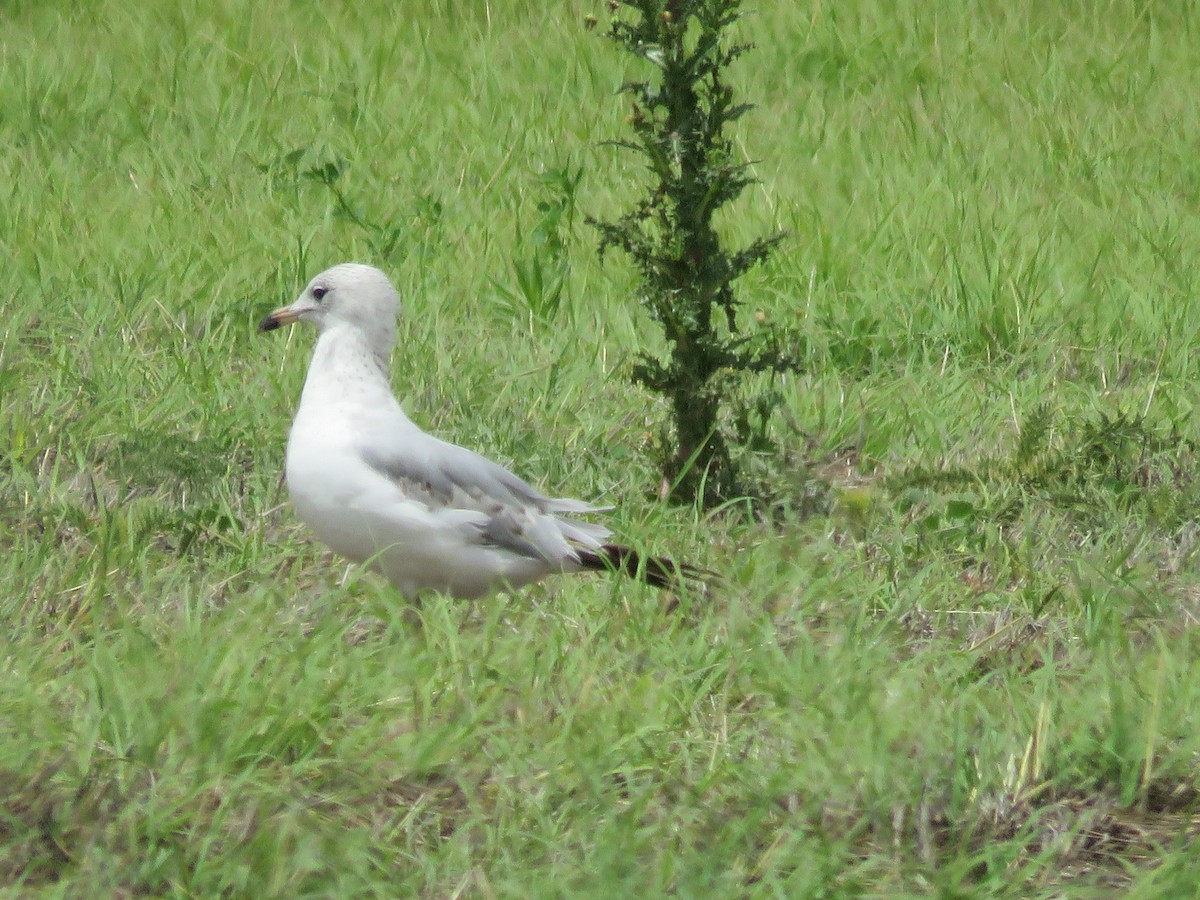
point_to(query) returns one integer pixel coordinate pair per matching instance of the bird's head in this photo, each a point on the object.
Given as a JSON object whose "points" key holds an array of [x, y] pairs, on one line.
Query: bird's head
{"points": [[349, 294]]}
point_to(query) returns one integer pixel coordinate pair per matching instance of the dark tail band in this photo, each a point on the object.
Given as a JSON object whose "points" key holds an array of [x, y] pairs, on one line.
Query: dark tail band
{"points": [[657, 571]]}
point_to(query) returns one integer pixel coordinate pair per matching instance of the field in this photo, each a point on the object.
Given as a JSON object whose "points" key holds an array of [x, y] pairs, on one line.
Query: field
{"points": [[961, 662]]}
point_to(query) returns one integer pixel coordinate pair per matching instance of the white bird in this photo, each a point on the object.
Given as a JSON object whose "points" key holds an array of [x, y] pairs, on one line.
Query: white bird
{"points": [[431, 516]]}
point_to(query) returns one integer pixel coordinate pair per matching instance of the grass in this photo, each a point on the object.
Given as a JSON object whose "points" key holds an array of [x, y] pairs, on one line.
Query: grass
{"points": [[963, 664]]}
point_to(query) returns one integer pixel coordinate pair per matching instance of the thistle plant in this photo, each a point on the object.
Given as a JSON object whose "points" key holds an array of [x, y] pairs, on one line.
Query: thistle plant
{"points": [[681, 113]]}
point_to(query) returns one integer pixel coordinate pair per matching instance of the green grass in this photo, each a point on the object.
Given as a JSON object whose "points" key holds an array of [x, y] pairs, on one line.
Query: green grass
{"points": [[970, 670]]}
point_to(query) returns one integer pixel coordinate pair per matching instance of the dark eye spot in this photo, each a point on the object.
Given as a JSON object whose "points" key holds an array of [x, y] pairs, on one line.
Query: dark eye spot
{"points": [[319, 293]]}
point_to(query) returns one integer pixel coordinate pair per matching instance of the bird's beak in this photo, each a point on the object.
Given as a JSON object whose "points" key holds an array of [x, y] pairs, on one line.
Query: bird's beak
{"points": [[285, 315]]}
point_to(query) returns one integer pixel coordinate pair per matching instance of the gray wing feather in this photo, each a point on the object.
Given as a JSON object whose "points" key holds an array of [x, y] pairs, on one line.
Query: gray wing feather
{"points": [[439, 473], [534, 536]]}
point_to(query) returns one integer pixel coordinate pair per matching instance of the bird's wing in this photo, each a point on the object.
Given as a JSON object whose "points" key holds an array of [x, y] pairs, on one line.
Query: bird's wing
{"points": [[517, 517]]}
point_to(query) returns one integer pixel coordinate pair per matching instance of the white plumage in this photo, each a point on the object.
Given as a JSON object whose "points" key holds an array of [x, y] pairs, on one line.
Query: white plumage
{"points": [[376, 488]]}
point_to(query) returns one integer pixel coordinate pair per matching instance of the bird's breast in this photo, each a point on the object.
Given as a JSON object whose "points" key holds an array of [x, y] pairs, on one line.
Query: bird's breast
{"points": [[326, 482]]}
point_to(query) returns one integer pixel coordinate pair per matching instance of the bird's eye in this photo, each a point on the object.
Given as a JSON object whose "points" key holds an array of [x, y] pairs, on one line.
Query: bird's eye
{"points": [[319, 293]]}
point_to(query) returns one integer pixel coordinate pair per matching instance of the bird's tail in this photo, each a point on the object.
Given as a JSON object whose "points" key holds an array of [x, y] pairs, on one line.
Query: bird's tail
{"points": [[657, 571]]}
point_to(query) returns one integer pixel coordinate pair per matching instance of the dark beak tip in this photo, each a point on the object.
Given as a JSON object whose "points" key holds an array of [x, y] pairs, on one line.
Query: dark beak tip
{"points": [[269, 323]]}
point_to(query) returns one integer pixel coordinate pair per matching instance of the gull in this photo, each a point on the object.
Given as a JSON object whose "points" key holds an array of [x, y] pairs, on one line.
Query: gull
{"points": [[430, 515]]}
